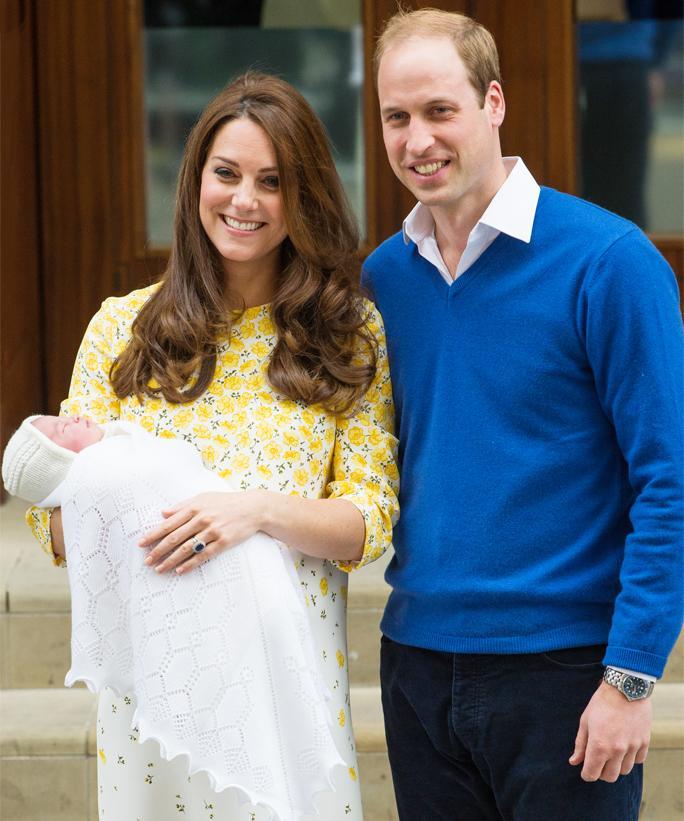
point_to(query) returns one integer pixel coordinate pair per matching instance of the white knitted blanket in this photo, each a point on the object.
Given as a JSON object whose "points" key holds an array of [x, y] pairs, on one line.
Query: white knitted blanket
{"points": [[220, 661]]}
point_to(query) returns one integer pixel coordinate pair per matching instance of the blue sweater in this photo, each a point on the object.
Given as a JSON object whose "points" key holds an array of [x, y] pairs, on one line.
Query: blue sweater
{"points": [[539, 409]]}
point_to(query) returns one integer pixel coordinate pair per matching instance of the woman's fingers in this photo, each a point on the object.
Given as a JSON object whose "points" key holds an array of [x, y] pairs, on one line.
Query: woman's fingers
{"points": [[183, 530], [167, 527], [193, 548], [186, 557], [196, 559]]}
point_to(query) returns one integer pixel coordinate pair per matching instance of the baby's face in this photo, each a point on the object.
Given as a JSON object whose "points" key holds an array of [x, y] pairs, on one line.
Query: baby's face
{"points": [[70, 432]]}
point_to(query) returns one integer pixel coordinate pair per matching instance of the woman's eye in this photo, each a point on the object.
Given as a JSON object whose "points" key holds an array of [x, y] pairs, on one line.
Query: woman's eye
{"points": [[225, 173], [271, 182]]}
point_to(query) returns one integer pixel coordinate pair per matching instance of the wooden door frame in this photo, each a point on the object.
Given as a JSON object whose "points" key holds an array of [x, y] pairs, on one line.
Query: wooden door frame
{"points": [[21, 338]]}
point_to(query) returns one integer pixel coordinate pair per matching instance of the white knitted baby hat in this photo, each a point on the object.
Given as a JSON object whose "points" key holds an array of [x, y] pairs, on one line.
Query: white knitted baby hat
{"points": [[33, 465]]}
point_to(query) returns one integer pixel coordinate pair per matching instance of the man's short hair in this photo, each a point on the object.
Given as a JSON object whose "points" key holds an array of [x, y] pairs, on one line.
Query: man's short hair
{"points": [[473, 42]]}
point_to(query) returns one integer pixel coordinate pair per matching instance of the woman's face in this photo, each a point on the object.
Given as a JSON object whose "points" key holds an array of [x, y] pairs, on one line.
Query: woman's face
{"points": [[240, 206]]}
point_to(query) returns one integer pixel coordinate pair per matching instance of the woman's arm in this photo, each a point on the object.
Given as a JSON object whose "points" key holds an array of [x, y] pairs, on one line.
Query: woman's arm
{"points": [[327, 528], [57, 534]]}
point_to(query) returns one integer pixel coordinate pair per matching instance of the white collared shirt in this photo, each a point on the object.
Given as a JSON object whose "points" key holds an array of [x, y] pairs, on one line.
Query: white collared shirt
{"points": [[510, 212]]}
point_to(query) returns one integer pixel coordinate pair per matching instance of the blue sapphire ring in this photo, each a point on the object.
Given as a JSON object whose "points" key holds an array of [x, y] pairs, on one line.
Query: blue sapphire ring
{"points": [[197, 546]]}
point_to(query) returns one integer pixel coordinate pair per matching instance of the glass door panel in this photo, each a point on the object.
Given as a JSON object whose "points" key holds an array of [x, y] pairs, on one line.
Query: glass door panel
{"points": [[192, 48], [631, 102]]}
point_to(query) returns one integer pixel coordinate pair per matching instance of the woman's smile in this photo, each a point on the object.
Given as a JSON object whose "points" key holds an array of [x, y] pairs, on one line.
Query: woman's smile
{"points": [[241, 226]]}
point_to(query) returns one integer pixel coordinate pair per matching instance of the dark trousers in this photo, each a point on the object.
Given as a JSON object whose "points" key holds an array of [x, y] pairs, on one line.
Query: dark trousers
{"points": [[488, 737]]}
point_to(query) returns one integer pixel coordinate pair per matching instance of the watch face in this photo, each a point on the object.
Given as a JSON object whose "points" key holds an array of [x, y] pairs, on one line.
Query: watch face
{"points": [[634, 687]]}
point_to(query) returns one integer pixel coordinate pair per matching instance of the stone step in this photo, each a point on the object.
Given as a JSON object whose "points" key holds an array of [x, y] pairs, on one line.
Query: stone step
{"points": [[48, 748], [35, 624], [48, 752]]}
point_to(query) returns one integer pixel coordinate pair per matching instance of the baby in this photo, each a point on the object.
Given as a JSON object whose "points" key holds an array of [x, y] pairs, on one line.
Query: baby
{"points": [[40, 452], [231, 636]]}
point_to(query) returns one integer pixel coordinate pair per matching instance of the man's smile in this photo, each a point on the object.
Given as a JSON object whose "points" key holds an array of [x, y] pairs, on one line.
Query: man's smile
{"points": [[429, 169]]}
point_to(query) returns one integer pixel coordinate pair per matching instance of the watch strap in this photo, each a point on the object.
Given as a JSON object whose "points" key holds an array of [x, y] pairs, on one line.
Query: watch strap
{"points": [[616, 678]]}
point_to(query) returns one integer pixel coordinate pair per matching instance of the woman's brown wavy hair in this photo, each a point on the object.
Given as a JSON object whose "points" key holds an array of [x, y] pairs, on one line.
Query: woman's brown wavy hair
{"points": [[325, 353]]}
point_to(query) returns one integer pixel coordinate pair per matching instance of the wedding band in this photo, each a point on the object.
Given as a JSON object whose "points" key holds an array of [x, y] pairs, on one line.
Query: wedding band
{"points": [[197, 546]]}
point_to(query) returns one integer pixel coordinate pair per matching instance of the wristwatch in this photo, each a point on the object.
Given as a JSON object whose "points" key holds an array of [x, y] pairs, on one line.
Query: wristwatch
{"points": [[632, 688]]}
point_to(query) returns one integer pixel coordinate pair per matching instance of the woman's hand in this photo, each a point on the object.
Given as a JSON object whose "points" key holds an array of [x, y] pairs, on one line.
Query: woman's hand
{"points": [[327, 528], [216, 520]]}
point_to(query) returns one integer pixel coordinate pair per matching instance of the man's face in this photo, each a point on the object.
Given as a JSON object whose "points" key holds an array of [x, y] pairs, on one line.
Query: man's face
{"points": [[70, 432], [442, 143]]}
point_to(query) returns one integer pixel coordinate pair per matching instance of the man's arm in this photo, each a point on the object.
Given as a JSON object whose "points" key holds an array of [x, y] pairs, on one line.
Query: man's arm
{"points": [[634, 344]]}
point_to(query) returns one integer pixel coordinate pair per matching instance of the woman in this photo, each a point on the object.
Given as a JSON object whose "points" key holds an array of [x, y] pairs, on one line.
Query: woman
{"points": [[256, 347]]}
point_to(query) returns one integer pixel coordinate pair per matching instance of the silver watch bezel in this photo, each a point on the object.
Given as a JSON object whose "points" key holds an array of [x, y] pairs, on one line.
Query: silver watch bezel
{"points": [[618, 679]]}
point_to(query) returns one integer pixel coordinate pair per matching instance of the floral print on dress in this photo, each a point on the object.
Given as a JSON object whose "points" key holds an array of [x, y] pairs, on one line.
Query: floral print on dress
{"points": [[245, 430]]}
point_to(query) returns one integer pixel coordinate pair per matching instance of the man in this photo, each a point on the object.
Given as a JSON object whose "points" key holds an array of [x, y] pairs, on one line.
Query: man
{"points": [[536, 353]]}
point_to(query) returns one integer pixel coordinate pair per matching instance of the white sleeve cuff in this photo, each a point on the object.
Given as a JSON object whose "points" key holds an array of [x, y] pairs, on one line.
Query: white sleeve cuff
{"points": [[634, 673]]}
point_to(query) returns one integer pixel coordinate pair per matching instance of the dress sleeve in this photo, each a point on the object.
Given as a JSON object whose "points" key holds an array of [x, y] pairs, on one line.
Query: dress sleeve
{"points": [[364, 464], [90, 394]]}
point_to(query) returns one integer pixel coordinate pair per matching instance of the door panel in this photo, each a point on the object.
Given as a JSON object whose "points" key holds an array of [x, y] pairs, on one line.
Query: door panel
{"points": [[21, 380]]}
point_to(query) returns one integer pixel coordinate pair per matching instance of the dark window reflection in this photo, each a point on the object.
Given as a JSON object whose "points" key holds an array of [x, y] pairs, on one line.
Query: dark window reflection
{"points": [[174, 13], [631, 110]]}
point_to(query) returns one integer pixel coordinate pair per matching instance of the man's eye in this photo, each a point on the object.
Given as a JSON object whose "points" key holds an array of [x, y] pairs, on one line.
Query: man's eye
{"points": [[396, 117]]}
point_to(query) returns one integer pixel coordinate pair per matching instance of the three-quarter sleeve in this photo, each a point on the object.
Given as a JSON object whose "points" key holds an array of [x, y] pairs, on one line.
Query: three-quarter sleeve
{"points": [[90, 394], [364, 463]]}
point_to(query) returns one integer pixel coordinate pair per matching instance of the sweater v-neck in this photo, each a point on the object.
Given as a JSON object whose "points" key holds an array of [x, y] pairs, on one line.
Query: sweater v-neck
{"points": [[451, 290]]}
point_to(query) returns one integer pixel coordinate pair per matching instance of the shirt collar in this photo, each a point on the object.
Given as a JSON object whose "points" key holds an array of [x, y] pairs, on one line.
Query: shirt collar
{"points": [[511, 211]]}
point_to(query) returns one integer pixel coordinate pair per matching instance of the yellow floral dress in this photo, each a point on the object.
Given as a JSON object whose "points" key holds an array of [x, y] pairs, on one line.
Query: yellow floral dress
{"points": [[257, 438]]}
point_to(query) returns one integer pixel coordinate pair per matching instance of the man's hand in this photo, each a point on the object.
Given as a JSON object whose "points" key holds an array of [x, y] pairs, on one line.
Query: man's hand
{"points": [[613, 735]]}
